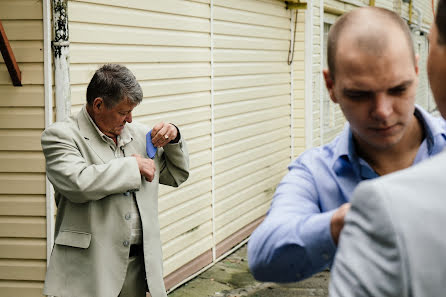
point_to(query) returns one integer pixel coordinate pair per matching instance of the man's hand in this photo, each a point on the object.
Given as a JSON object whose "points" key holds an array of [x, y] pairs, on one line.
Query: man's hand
{"points": [[163, 133], [146, 167], [337, 221]]}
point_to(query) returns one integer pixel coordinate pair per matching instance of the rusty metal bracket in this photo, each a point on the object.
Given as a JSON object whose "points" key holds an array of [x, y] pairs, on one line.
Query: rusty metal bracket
{"points": [[296, 4], [8, 57]]}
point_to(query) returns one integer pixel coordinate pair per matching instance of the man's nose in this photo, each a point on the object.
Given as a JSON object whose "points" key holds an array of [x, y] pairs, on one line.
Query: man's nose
{"points": [[383, 107], [128, 118]]}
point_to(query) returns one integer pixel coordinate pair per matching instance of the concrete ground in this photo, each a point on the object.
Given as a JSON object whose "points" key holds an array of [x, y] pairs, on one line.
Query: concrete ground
{"points": [[231, 278]]}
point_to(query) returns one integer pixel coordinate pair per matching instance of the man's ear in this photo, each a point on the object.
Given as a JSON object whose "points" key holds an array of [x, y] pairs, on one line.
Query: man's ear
{"points": [[98, 104], [329, 83]]}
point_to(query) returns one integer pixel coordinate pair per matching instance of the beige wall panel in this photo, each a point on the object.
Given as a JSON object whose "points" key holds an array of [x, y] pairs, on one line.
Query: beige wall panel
{"points": [[20, 10], [27, 51], [34, 227], [179, 7], [235, 121], [250, 30], [21, 118], [32, 74], [189, 208], [172, 199], [224, 69], [236, 95], [114, 15], [21, 288], [18, 248], [88, 33], [86, 53], [185, 225], [20, 140], [187, 254], [23, 96], [22, 269], [246, 17], [14, 183], [236, 82], [247, 144], [178, 244], [22, 162], [82, 73], [236, 55], [274, 8], [224, 41], [20, 30], [22, 205], [203, 158], [249, 106]]}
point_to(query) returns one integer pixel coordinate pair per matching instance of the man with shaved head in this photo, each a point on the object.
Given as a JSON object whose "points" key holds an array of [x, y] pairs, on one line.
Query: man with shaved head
{"points": [[393, 243], [373, 75]]}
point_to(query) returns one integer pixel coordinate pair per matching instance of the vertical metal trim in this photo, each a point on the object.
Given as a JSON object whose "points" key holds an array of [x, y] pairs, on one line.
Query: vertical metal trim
{"points": [[48, 87], [214, 244], [321, 77], [292, 85], [309, 75]]}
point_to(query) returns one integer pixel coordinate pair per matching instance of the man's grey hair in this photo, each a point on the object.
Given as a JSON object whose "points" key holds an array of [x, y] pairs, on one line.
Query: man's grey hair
{"points": [[114, 83]]}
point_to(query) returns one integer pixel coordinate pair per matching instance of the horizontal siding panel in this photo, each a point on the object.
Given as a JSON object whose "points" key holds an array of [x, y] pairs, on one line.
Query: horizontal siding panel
{"points": [[247, 144], [246, 81], [249, 106], [22, 227], [22, 269], [224, 41], [259, 152], [195, 130], [244, 68], [21, 183], [23, 30], [235, 95], [104, 14], [226, 28], [167, 6], [233, 55], [23, 96], [32, 74], [181, 242], [187, 254], [95, 53], [82, 73], [27, 51], [103, 34], [257, 177], [21, 10], [20, 140], [22, 205], [232, 122], [250, 131], [172, 199], [240, 222], [14, 248], [199, 159], [186, 225], [246, 17], [274, 8], [21, 118], [247, 168], [21, 288], [22, 162], [188, 208]]}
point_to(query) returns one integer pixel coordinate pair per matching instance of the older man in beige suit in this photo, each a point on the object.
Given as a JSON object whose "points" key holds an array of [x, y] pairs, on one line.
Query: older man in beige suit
{"points": [[107, 239]]}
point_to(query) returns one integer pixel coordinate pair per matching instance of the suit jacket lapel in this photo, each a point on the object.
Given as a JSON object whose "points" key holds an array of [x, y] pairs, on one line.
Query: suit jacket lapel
{"points": [[93, 139]]}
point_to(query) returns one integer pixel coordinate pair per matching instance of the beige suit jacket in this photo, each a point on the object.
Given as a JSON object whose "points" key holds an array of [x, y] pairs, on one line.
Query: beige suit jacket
{"points": [[92, 191]]}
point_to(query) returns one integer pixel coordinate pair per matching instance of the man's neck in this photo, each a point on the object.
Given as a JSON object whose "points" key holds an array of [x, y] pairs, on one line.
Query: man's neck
{"points": [[92, 116], [397, 157]]}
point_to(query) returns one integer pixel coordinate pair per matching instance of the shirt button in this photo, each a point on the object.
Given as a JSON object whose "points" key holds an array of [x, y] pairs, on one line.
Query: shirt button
{"points": [[126, 193], [126, 243], [127, 216]]}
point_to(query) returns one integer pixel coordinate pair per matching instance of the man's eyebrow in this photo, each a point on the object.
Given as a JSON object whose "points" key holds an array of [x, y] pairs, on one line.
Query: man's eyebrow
{"points": [[405, 83]]}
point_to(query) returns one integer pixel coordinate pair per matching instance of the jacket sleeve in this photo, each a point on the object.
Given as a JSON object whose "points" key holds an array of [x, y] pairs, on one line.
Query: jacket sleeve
{"points": [[174, 163], [78, 180], [368, 262], [294, 240]]}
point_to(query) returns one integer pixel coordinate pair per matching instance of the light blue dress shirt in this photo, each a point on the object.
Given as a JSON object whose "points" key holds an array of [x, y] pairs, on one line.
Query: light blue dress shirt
{"points": [[294, 240]]}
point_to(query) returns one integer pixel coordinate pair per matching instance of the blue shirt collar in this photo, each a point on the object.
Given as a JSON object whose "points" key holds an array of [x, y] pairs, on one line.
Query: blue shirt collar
{"points": [[344, 153]]}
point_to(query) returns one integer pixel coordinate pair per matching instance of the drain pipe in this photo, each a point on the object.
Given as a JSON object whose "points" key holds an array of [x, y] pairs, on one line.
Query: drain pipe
{"points": [[48, 87], [61, 47]]}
